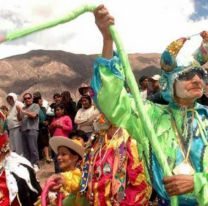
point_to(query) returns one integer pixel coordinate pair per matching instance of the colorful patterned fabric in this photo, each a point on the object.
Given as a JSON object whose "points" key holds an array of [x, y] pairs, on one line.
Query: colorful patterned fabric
{"points": [[115, 173], [72, 179], [113, 100], [71, 187]]}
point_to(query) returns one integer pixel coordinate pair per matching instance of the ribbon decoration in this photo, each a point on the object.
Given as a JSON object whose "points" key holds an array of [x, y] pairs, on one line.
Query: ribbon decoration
{"points": [[147, 125], [44, 194]]}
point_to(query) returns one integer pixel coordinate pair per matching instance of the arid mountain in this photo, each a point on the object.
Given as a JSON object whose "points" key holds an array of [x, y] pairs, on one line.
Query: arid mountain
{"points": [[56, 71]]}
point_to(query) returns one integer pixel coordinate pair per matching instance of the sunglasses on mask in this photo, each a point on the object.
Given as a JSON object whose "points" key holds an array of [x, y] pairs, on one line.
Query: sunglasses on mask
{"points": [[185, 76]]}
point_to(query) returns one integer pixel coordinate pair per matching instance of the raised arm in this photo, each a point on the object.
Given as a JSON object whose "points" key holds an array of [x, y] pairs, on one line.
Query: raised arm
{"points": [[108, 79], [103, 20]]}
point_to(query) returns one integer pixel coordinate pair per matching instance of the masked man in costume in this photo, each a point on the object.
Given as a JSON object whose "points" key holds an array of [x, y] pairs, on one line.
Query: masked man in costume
{"points": [[18, 184], [181, 127]]}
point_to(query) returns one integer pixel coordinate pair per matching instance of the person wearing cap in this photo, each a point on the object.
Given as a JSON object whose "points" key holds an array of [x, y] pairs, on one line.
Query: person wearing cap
{"points": [[69, 153], [181, 127], [156, 95], [18, 183], [143, 85], [155, 86], [84, 89]]}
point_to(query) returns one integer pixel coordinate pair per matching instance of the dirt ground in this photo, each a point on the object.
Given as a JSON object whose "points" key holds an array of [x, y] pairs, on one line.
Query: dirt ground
{"points": [[46, 170]]}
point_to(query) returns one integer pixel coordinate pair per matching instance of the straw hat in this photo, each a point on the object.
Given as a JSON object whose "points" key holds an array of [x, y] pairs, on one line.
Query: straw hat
{"points": [[83, 87], [75, 145]]}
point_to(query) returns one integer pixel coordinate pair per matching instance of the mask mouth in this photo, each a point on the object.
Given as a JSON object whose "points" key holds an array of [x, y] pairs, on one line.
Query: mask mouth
{"points": [[190, 73]]}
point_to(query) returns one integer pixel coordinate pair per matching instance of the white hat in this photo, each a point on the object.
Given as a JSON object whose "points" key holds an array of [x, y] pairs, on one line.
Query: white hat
{"points": [[156, 77], [73, 144]]}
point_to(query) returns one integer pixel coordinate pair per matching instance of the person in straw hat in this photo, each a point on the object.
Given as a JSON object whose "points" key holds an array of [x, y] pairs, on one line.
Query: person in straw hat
{"points": [[69, 154]]}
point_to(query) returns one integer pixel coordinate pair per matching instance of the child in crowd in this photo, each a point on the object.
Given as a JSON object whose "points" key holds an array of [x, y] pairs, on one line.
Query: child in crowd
{"points": [[61, 125], [69, 154]]}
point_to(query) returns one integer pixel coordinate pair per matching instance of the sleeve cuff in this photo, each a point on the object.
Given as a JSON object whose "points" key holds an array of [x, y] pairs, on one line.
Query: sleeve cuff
{"points": [[113, 64], [200, 180]]}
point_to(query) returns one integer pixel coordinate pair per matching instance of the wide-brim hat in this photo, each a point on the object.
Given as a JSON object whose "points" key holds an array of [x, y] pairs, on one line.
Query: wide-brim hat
{"points": [[83, 87], [58, 141]]}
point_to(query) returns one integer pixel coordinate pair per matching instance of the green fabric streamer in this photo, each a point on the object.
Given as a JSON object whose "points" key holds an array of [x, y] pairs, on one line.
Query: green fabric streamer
{"points": [[147, 125], [72, 15]]}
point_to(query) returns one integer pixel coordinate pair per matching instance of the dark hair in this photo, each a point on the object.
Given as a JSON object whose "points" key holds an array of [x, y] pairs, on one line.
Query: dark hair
{"points": [[61, 106], [79, 133], [27, 93], [142, 78], [36, 99], [56, 95], [37, 95], [87, 97], [72, 152], [66, 97]]}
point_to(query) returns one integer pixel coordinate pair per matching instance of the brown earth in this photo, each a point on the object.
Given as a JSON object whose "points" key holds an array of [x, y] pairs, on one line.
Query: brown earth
{"points": [[56, 71], [46, 170]]}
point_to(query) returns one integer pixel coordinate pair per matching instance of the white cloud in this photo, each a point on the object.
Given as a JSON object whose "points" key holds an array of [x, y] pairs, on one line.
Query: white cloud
{"points": [[144, 25]]}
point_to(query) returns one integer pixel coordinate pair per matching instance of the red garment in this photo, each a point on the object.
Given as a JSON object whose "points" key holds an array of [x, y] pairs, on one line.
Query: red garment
{"points": [[4, 200], [117, 168], [64, 130]]}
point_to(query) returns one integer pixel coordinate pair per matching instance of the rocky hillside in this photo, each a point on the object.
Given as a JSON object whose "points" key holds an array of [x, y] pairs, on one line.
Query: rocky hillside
{"points": [[56, 71]]}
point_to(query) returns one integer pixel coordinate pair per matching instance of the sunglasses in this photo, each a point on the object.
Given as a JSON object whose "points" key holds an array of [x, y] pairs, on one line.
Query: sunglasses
{"points": [[27, 98], [185, 76]]}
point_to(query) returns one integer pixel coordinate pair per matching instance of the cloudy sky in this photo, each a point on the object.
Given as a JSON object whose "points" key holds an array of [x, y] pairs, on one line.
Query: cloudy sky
{"points": [[145, 26]]}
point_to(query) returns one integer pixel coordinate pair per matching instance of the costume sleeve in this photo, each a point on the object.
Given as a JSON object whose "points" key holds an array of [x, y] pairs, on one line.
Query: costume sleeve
{"points": [[112, 99], [201, 188], [72, 181]]}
